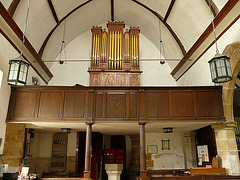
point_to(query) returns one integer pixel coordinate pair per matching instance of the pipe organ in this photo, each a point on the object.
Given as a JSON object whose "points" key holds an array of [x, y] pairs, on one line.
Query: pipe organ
{"points": [[115, 56]]}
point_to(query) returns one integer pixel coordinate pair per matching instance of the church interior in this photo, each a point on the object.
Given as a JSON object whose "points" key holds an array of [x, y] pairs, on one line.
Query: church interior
{"points": [[119, 89]]}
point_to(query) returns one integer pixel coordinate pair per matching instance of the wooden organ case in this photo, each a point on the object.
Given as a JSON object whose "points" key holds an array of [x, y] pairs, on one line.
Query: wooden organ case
{"points": [[115, 56]]}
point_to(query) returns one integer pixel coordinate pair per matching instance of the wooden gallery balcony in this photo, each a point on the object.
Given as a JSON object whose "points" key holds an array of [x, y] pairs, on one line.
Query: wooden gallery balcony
{"points": [[111, 104]]}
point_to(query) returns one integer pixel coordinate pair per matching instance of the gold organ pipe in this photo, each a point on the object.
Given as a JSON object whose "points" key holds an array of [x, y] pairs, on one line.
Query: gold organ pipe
{"points": [[110, 50], [97, 46], [104, 47], [133, 50], [93, 49], [120, 49], [137, 42], [115, 49]]}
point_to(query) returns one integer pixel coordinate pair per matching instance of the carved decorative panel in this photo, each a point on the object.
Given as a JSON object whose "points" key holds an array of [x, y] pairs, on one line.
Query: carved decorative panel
{"points": [[108, 79], [95, 79], [121, 79], [134, 79], [116, 105]]}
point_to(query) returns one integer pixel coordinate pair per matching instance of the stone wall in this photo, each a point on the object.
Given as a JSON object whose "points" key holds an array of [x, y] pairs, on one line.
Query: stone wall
{"points": [[14, 145]]}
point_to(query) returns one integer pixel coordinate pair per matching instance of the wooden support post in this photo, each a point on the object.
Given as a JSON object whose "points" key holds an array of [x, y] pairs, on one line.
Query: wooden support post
{"points": [[87, 170], [143, 171]]}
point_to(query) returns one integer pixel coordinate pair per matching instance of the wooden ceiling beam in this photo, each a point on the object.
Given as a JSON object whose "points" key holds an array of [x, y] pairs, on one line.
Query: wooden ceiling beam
{"points": [[206, 40], [112, 10], [213, 6], [53, 11], [12, 8], [169, 10], [40, 53], [166, 24], [14, 35]]}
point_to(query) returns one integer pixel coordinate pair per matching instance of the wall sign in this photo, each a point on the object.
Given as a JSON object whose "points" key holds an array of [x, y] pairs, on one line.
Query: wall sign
{"points": [[152, 149]]}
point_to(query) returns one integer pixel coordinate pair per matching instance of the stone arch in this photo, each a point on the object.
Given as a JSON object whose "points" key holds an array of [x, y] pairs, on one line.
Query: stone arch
{"points": [[233, 52]]}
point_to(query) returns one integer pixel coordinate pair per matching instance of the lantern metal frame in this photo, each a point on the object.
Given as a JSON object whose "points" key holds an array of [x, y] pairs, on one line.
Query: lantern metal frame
{"points": [[220, 69], [17, 75], [220, 66]]}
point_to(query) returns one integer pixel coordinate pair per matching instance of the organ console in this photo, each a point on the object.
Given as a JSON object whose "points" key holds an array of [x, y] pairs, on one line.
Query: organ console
{"points": [[115, 56]]}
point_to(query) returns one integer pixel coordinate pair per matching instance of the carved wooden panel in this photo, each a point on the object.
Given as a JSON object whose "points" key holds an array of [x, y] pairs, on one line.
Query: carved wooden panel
{"points": [[99, 105], [121, 79], [158, 105], [182, 104], [25, 104], [108, 79], [134, 79], [133, 105], [50, 104], [116, 105], [74, 105], [95, 79], [207, 104]]}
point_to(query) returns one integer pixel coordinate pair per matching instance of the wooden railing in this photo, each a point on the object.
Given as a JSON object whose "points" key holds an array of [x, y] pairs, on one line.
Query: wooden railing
{"points": [[108, 104]]}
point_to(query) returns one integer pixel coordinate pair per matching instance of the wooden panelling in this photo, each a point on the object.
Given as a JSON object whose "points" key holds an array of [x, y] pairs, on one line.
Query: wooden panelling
{"points": [[89, 104], [116, 105], [133, 105], [50, 104], [141, 105], [25, 104], [182, 104], [99, 105], [74, 105], [158, 105], [207, 104]]}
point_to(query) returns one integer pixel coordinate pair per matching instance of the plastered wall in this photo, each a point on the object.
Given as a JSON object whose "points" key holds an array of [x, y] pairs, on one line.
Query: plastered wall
{"points": [[7, 52], [75, 71], [199, 74], [165, 159]]}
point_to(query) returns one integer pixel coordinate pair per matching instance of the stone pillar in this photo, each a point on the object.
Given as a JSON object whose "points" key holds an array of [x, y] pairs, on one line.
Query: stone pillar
{"points": [[227, 147], [14, 145], [87, 170], [135, 157], [143, 171], [114, 171], [190, 150]]}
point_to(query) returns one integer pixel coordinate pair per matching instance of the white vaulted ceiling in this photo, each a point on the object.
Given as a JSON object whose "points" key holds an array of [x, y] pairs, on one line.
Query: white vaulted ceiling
{"points": [[187, 19]]}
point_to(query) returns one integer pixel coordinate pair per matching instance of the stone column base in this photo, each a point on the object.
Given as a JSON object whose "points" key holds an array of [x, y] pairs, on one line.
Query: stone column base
{"points": [[227, 146], [87, 175], [144, 175], [114, 171]]}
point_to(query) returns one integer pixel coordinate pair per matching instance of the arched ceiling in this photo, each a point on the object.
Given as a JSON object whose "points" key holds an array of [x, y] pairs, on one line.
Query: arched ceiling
{"points": [[183, 21]]}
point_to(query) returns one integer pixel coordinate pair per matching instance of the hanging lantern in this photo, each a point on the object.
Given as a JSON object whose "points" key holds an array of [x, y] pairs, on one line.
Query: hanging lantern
{"points": [[18, 70], [220, 68]]}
